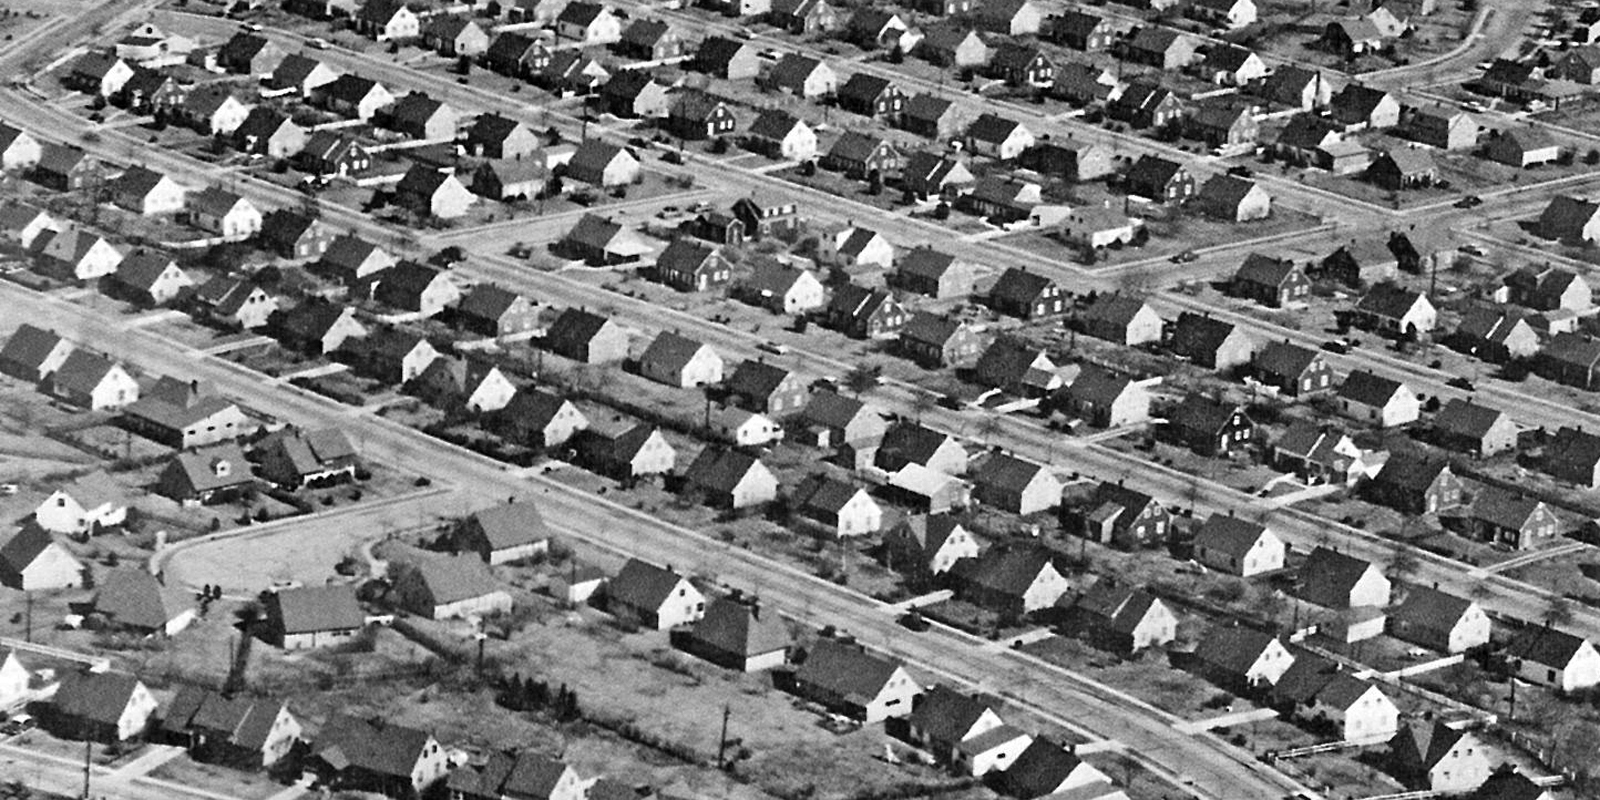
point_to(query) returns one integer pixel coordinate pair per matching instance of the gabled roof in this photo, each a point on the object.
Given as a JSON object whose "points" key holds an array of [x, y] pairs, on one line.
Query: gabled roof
{"points": [[1228, 535], [451, 579], [756, 379], [575, 326], [374, 745], [1466, 418], [826, 494], [1430, 742], [1410, 161], [1369, 389], [1410, 472], [720, 470], [1227, 191], [1018, 285], [775, 124], [1328, 576], [671, 351], [133, 597], [512, 525], [1545, 646], [929, 531], [992, 128], [846, 670], [1098, 385], [793, 69], [641, 584], [82, 371], [1505, 509], [731, 626], [487, 301], [199, 466], [1228, 57], [1120, 608], [930, 329], [1040, 769], [1115, 309], [864, 87], [913, 443], [1007, 571], [1234, 649], [1154, 170], [927, 107], [1431, 608], [1195, 333], [1285, 358], [1198, 412], [857, 147], [1306, 131], [24, 546], [946, 715], [29, 346], [96, 696]]}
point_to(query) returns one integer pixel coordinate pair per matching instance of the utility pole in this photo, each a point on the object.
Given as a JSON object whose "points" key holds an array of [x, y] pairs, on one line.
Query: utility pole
{"points": [[27, 631], [88, 750], [1512, 713], [722, 743]]}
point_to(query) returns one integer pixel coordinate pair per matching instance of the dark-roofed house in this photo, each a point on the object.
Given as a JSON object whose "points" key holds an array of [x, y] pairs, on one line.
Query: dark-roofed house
{"points": [[249, 54], [1495, 333], [1160, 179], [1122, 618], [650, 40], [519, 774], [934, 273], [731, 59], [1025, 294], [1436, 757], [601, 241], [964, 732], [178, 414], [1318, 454], [295, 457], [493, 311], [353, 96], [1571, 358], [1238, 547], [1570, 218], [1223, 125], [1510, 519], [313, 616], [32, 561], [780, 134], [842, 508], [1439, 621], [847, 679], [294, 235], [1081, 30], [100, 706], [1560, 660], [927, 544], [733, 634], [657, 597], [872, 96], [953, 43], [864, 313], [422, 117], [586, 337], [1104, 398], [731, 479], [1467, 427], [936, 341], [833, 420], [437, 586], [862, 155], [1416, 485], [92, 381], [1403, 168], [503, 534], [929, 174], [1122, 318], [224, 213], [805, 17], [998, 137], [1211, 342], [248, 731], [1547, 288], [1293, 370], [432, 192], [1573, 455], [1015, 485], [679, 361], [766, 388], [234, 301], [300, 74], [66, 168], [932, 116], [541, 419], [1115, 514], [420, 290], [1361, 262], [1050, 769], [697, 114], [1210, 426], [331, 152], [206, 474], [1240, 659], [911, 443], [1523, 148], [1017, 368], [1335, 580], [455, 35], [1148, 104], [494, 136], [627, 453], [588, 23], [1377, 400], [1234, 199], [33, 354], [802, 76], [379, 755], [1360, 107], [598, 163]]}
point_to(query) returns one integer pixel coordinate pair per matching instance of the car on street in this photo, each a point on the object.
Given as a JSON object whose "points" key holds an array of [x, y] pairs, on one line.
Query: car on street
{"points": [[776, 348], [1460, 383], [913, 620], [1336, 346], [1470, 201], [1240, 171], [1184, 257]]}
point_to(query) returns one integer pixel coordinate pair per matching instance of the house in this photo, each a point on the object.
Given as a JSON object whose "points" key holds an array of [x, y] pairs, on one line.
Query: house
{"points": [[76, 254], [65, 168], [635, 452], [1272, 282], [782, 289], [1387, 308], [1304, 139], [835, 421], [733, 634], [1012, 484], [1115, 514], [1104, 398], [1440, 758], [927, 544], [431, 192], [33, 561], [1122, 618], [353, 96], [1383, 402], [18, 149], [779, 134], [501, 179], [1223, 125], [764, 215], [872, 96], [1580, 64], [1573, 455], [516, 774], [455, 36], [300, 75], [1071, 160], [857, 247], [1403, 168], [100, 706], [1467, 427], [650, 40], [1017, 368], [804, 17], [205, 474], [249, 54], [802, 76], [743, 428], [212, 110], [692, 267], [1319, 455], [1050, 769], [1237, 547], [862, 156], [99, 73], [1511, 520], [320, 327], [219, 211], [1083, 84], [928, 174], [436, 586], [517, 55], [570, 71], [932, 116], [1360, 263], [600, 241], [1514, 786], [1232, 65], [936, 341], [21, 223], [151, 278], [934, 273], [1224, 14], [657, 597], [1332, 579], [1546, 288], [1234, 199], [352, 260], [291, 234], [312, 616], [388, 20], [1122, 318], [1001, 199], [258, 732], [1014, 581], [93, 382], [147, 192], [1160, 180], [418, 289], [964, 732], [1439, 621], [132, 600], [494, 136], [586, 337], [294, 457], [178, 414], [1147, 104], [1360, 107], [332, 153], [873, 27], [679, 361], [1211, 342], [1081, 30], [1548, 657], [1160, 47], [1242, 658], [33, 354], [997, 137], [541, 419], [730, 59], [454, 383], [1352, 37], [1293, 370], [1447, 128], [423, 118], [847, 679], [396, 356], [953, 44], [1011, 17], [910, 443], [378, 754], [1024, 294], [1495, 333], [731, 479], [1097, 227], [1356, 709], [1571, 358], [1416, 485], [843, 508], [493, 311], [696, 114], [765, 388], [865, 313], [588, 24], [1209, 426]]}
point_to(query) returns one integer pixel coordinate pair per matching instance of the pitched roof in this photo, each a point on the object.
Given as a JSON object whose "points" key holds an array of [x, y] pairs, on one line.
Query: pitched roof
{"points": [[512, 524], [671, 352], [793, 69], [1098, 385], [1227, 191], [1431, 741], [1199, 334], [374, 745], [846, 670], [1229, 535], [774, 123], [756, 379], [1008, 571], [720, 470], [825, 493], [82, 371], [312, 609], [451, 579], [24, 546], [1265, 270], [946, 715], [1121, 608], [1410, 471], [1018, 285], [1328, 576], [95, 696], [731, 626], [29, 346], [1389, 300], [1040, 768], [1234, 649], [1198, 412], [643, 585], [992, 128], [1431, 608], [1370, 389], [1464, 417]]}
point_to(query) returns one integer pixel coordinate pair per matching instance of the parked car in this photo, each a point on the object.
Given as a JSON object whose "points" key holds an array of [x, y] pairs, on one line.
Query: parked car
{"points": [[1470, 201], [1460, 383], [18, 724], [913, 620], [1184, 257], [1336, 346]]}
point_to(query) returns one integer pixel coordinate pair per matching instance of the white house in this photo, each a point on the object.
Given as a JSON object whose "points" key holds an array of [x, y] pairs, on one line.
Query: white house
{"points": [[1377, 400], [87, 503], [1237, 547], [1553, 658], [743, 428], [660, 598], [1362, 712]]}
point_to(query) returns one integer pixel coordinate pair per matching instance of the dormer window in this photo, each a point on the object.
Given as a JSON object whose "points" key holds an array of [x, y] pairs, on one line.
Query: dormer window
{"points": [[221, 468]]}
